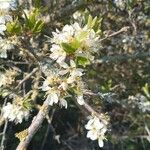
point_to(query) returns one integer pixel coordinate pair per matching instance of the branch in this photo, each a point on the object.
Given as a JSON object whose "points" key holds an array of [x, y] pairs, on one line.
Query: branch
{"points": [[124, 29], [27, 77], [35, 125], [10, 62], [89, 108]]}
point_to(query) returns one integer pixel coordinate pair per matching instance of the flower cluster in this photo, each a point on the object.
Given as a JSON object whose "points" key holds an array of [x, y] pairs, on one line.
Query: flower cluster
{"points": [[15, 113], [58, 83], [72, 48], [7, 78], [74, 41], [5, 6], [120, 3], [141, 102], [96, 129]]}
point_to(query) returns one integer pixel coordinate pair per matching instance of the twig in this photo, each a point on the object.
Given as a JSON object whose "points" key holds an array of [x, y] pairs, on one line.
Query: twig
{"points": [[27, 77], [92, 111], [124, 29], [13, 62]]}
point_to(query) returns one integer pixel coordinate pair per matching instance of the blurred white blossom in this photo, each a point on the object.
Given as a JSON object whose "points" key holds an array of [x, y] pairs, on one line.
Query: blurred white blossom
{"points": [[120, 3], [5, 45], [7, 4], [141, 101], [77, 15], [15, 113], [6, 78]]}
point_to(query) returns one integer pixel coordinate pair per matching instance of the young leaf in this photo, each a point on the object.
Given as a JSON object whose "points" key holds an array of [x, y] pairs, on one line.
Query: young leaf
{"points": [[83, 61], [14, 27], [68, 48]]}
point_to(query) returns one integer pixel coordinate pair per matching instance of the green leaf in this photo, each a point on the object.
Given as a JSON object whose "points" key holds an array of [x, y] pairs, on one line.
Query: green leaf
{"points": [[28, 104], [75, 43], [38, 26], [89, 23], [83, 61], [14, 27], [146, 90], [82, 35], [31, 21], [68, 48]]}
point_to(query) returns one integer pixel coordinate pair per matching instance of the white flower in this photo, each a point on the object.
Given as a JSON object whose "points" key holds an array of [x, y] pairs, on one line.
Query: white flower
{"points": [[58, 54], [72, 70], [96, 130], [67, 34], [100, 141], [2, 25], [80, 99], [2, 79], [63, 86], [45, 86], [77, 15], [94, 123], [69, 30], [92, 134], [15, 113], [86, 43], [2, 28], [63, 103], [7, 4], [120, 3], [5, 45], [60, 37], [7, 77], [3, 19], [53, 97], [4, 4], [52, 78]]}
